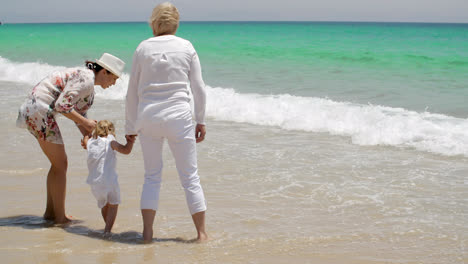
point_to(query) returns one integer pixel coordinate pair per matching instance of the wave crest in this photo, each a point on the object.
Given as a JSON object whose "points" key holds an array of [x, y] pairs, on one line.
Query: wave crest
{"points": [[365, 124]]}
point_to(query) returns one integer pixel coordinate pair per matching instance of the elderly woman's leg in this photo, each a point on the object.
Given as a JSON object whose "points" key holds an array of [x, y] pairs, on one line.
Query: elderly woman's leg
{"points": [[148, 220], [151, 146], [56, 181], [199, 221], [183, 146]]}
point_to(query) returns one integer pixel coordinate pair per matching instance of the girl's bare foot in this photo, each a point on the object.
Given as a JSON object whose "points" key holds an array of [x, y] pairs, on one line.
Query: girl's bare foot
{"points": [[202, 237], [147, 236]]}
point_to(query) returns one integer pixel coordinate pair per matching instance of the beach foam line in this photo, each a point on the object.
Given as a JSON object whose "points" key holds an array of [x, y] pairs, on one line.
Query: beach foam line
{"points": [[21, 172], [27, 72], [33, 72], [367, 125]]}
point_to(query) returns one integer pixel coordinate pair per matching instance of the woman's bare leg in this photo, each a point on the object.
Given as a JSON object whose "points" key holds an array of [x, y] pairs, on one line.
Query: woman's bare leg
{"points": [[199, 221], [56, 180], [148, 220], [49, 212]]}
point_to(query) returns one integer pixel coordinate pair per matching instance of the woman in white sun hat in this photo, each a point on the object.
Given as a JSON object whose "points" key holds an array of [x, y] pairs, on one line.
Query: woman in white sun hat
{"points": [[69, 92]]}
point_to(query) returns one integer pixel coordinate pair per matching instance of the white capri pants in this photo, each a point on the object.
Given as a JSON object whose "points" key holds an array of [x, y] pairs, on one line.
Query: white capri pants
{"points": [[180, 134]]}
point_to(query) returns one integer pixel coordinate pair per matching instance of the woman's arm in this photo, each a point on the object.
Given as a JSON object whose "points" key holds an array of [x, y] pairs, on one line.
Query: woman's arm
{"points": [[132, 100], [83, 131], [78, 87], [85, 125], [198, 89], [199, 97]]}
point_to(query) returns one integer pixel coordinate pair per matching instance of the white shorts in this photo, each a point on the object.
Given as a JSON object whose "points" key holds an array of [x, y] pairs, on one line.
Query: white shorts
{"points": [[106, 194]]}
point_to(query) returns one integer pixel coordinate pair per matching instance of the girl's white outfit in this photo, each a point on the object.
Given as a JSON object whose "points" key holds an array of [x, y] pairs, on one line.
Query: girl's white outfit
{"points": [[102, 173], [158, 108]]}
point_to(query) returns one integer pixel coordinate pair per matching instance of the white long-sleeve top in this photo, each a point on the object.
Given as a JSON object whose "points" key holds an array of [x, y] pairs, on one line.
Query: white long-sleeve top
{"points": [[163, 69]]}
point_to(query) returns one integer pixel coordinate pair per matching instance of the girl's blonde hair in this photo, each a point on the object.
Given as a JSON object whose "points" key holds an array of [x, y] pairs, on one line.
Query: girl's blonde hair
{"points": [[164, 19], [103, 129]]}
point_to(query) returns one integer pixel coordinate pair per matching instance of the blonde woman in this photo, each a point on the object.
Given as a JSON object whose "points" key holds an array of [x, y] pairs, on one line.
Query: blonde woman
{"points": [[70, 93], [158, 108], [102, 163]]}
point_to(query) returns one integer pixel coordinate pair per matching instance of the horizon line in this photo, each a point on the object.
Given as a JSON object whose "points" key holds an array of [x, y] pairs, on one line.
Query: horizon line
{"points": [[242, 21]]}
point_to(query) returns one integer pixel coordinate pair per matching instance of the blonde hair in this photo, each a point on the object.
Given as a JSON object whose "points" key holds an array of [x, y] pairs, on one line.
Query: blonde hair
{"points": [[165, 19], [103, 129]]}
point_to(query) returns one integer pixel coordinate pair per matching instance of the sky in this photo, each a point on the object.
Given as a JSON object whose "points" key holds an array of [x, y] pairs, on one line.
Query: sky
{"points": [[42, 11]]}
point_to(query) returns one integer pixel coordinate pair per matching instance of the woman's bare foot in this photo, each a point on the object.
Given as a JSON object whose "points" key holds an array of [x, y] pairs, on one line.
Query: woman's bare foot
{"points": [[63, 220], [48, 216], [49, 213]]}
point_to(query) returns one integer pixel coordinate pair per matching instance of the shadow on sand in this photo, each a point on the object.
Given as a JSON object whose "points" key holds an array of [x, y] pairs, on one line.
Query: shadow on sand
{"points": [[27, 222], [74, 227]]}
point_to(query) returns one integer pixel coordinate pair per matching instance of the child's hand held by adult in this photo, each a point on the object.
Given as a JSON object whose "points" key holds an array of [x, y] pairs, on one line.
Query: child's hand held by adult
{"points": [[84, 142]]}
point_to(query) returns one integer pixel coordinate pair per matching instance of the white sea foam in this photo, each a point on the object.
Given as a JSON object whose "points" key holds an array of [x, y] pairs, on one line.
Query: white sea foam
{"points": [[29, 72], [365, 124], [33, 72]]}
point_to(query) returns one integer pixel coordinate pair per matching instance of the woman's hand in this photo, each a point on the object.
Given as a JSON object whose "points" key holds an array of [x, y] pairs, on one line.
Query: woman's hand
{"points": [[130, 138], [85, 125], [88, 125], [200, 132]]}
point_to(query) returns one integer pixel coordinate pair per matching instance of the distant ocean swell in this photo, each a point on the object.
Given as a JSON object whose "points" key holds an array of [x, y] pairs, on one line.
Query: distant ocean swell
{"points": [[364, 124]]}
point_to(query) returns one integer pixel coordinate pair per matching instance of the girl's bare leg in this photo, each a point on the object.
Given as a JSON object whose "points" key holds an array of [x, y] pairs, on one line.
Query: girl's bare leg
{"points": [[104, 212], [56, 181], [148, 220], [111, 214]]}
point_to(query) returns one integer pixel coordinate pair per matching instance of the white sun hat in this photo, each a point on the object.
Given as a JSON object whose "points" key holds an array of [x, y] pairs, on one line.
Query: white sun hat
{"points": [[111, 63]]}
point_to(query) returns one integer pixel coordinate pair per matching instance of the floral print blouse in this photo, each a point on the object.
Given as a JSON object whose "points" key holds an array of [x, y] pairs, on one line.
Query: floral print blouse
{"points": [[60, 92]]}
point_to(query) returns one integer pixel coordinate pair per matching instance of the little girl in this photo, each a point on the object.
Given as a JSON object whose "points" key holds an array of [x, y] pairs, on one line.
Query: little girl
{"points": [[101, 165]]}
